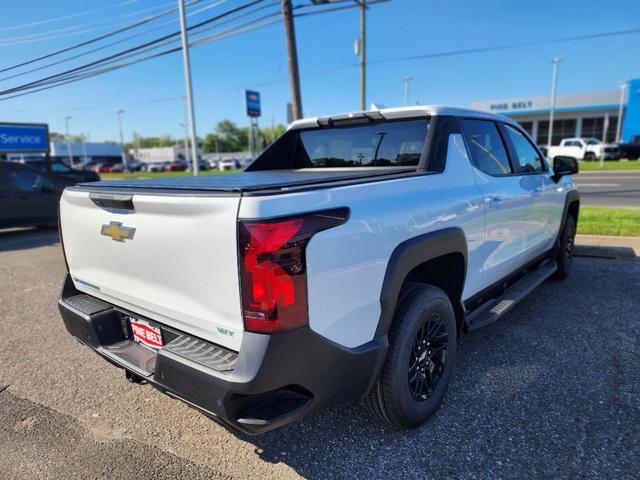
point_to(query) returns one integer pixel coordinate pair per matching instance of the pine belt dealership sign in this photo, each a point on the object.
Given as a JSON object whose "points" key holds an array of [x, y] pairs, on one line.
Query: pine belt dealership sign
{"points": [[24, 137]]}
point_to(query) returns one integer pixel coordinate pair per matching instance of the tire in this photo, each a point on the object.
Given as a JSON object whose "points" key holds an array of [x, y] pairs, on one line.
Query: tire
{"points": [[589, 157], [424, 317], [564, 256]]}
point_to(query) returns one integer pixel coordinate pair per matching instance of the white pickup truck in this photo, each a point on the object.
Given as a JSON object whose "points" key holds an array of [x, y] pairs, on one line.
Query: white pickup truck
{"points": [[585, 149], [343, 263]]}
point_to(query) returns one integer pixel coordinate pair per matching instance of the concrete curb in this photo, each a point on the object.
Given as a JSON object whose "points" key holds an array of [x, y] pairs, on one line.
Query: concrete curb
{"points": [[605, 246]]}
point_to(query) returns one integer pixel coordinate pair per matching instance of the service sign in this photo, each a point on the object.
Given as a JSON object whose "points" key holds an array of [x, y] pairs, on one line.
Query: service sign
{"points": [[253, 103], [23, 137]]}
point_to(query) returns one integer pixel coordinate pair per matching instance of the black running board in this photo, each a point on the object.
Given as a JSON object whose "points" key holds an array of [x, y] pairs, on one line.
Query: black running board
{"points": [[494, 309]]}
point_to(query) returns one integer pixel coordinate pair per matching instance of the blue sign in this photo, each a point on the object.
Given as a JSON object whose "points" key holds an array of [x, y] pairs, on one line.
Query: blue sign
{"points": [[23, 137], [253, 103]]}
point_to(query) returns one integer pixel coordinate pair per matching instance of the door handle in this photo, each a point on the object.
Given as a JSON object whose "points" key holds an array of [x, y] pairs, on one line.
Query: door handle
{"points": [[495, 201]]}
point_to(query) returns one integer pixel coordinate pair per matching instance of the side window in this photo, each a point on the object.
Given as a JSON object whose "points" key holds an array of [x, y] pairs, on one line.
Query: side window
{"points": [[527, 158], [57, 167], [26, 180], [485, 146]]}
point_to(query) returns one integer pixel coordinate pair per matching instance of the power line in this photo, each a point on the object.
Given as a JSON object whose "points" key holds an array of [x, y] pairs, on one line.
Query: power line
{"points": [[248, 26], [466, 51], [73, 29], [99, 67], [67, 17], [156, 41], [143, 47], [111, 44], [96, 39]]}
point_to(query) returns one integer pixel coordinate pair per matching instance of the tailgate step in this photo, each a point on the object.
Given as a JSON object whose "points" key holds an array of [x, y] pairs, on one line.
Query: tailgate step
{"points": [[139, 359], [493, 310], [205, 353], [87, 304]]}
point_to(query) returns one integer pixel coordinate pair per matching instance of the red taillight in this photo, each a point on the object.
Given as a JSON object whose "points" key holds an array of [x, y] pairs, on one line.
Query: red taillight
{"points": [[273, 269]]}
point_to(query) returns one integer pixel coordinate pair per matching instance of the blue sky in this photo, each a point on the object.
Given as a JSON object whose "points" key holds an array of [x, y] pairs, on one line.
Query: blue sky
{"points": [[151, 92]]}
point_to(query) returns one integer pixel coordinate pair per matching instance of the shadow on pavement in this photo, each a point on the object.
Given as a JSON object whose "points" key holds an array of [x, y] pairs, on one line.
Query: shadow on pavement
{"points": [[23, 239], [605, 252]]}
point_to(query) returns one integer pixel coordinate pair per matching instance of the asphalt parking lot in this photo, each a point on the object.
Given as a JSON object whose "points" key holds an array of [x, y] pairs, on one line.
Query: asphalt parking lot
{"points": [[551, 391]]}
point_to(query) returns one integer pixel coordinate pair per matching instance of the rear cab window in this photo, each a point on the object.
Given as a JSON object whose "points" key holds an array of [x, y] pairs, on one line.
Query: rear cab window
{"points": [[392, 143]]}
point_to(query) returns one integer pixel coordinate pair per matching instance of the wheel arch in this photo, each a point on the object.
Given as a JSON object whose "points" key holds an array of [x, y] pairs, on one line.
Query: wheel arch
{"points": [[438, 258], [571, 208]]}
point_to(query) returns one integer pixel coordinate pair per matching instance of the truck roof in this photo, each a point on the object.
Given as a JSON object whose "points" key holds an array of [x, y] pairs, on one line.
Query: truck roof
{"points": [[406, 112]]}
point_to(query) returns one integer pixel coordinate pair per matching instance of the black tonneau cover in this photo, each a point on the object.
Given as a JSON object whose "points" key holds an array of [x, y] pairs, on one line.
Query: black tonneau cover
{"points": [[264, 180]]}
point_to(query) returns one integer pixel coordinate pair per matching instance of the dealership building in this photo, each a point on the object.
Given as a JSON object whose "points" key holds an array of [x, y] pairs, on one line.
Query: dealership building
{"points": [[580, 115]]}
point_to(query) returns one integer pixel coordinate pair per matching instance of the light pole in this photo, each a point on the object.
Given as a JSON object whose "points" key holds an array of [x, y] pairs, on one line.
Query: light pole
{"points": [[187, 80], [186, 142], [84, 149], [66, 128], [554, 82], [125, 167], [623, 89], [406, 79]]}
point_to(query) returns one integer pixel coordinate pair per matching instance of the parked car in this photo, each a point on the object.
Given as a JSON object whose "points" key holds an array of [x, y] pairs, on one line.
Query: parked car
{"points": [[154, 166], [88, 166], [631, 149], [62, 172], [213, 163], [586, 149], [344, 268], [102, 167], [177, 166], [116, 168], [28, 197], [244, 162], [202, 165], [136, 166], [227, 164]]}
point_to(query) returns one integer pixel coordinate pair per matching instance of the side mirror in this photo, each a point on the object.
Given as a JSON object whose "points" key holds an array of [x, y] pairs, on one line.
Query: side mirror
{"points": [[564, 166]]}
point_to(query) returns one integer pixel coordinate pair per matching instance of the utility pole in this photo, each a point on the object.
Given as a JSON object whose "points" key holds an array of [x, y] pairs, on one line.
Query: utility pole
{"points": [[292, 59], [66, 128], [406, 79], [125, 165], [554, 82], [187, 80], [363, 54], [623, 88]]}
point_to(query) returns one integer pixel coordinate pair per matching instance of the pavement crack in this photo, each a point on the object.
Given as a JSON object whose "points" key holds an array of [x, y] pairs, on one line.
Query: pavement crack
{"points": [[3, 387]]}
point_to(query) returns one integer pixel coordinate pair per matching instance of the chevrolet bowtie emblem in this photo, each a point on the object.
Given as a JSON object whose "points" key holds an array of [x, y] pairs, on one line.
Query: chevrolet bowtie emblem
{"points": [[117, 232]]}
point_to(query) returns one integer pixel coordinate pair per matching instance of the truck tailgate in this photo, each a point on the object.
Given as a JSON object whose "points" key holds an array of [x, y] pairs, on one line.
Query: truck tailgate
{"points": [[179, 267]]}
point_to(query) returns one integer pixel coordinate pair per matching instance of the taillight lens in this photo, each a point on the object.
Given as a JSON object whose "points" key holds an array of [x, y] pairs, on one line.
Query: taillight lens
{"points": [[273, 268]]}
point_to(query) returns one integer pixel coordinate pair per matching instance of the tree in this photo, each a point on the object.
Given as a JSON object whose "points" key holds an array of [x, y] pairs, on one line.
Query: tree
{"points": [[211, 143], [232, 138], [271, 134], [164, 140]]}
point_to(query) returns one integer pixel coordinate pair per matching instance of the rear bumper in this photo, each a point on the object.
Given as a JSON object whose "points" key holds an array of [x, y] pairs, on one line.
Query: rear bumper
{"points": [[271, 381]]}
